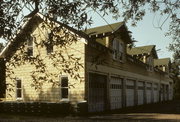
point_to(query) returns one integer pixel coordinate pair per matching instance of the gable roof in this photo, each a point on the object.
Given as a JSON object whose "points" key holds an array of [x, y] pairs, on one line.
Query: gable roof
{"points": [[142, 50], [29, 22], [110, 29], [161, 62], [104, 29], [28, 25]]}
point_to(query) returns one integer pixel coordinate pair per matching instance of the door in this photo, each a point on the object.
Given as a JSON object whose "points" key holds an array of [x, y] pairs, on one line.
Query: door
{"points": [[149, 92], [97, 92], [156, 93], [130, 92], [140, 92], [115, 93]]}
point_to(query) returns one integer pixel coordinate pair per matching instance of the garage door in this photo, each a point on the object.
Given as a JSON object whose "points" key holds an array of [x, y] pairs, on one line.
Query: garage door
{"points": [[156, 93], [162, 92], [149, 92], [116, 93], [97, 92], [166, 92], [140, 92], [170, 91], [130, 92]]}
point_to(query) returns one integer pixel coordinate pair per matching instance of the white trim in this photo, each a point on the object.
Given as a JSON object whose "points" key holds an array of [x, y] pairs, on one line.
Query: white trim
{"points": [[106, 69], [84, 40]]}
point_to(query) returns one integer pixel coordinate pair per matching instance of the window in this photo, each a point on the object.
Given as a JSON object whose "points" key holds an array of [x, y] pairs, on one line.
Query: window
{"points": [[118, 50], [150, 63], [49, 48], [64, 87], [30, 46], [18, 89]]}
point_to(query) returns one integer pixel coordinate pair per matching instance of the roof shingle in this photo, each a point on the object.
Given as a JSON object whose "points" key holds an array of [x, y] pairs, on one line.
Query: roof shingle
{"points": [[140, 50], [104, 29], [162, 61]]}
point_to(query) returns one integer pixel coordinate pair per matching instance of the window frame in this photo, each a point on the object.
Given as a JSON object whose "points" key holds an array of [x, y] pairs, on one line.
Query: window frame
{"points": [[62, 87], [21, 89], [118, 47], [51, 47], [31, 47]]}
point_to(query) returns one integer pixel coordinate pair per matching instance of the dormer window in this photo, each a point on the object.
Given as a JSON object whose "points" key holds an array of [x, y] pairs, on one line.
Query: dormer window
{"points": [[164, 68], [150, 63], [118, 48]]}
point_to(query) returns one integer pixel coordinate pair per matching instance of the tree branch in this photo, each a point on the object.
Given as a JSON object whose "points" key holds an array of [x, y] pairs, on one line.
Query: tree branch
{"points": [[36, 10]]}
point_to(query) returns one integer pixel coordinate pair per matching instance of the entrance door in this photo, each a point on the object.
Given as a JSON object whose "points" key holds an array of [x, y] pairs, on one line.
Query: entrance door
{"points": [[97, 92]]}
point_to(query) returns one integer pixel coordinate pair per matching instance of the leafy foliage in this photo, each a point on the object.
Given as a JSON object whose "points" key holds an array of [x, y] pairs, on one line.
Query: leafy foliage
{"points": [[1, 46], [60, 59], [76, 14]]}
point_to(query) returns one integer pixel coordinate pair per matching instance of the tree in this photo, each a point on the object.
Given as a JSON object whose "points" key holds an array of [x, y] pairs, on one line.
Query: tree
{"points": [[76, 14], [175, 73], [1, 46]]}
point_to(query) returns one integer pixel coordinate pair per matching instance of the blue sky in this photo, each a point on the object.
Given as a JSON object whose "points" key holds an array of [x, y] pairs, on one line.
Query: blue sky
{"points": [[145, 32]]}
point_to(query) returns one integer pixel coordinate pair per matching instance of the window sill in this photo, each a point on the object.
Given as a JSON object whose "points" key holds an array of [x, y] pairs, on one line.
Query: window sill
{"points": [[19, 99], [65, 100]]}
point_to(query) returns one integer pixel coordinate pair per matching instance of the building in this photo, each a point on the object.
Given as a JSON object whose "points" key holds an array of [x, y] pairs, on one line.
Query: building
{"points": [[2, 79], [94, 66]]}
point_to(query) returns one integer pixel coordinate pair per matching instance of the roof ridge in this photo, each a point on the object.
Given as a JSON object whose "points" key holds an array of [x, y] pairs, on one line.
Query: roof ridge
{"points": [[144, 46], [105, 25]]}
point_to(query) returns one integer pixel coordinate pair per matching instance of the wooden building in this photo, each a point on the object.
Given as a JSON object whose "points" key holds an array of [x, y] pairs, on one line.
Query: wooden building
{"points": [[93, 66]]}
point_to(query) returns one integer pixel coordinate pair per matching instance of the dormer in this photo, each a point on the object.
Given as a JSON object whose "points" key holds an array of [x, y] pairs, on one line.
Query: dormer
{"points": [[113, 36], [146, 54], [163, 64]]}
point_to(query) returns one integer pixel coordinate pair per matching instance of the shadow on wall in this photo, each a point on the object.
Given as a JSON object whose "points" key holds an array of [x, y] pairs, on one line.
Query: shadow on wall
{"points": [[2, 78], [51, 95]]}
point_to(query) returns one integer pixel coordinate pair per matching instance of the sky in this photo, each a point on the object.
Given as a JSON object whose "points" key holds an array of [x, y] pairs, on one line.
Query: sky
{"points": [[145, 32]]}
